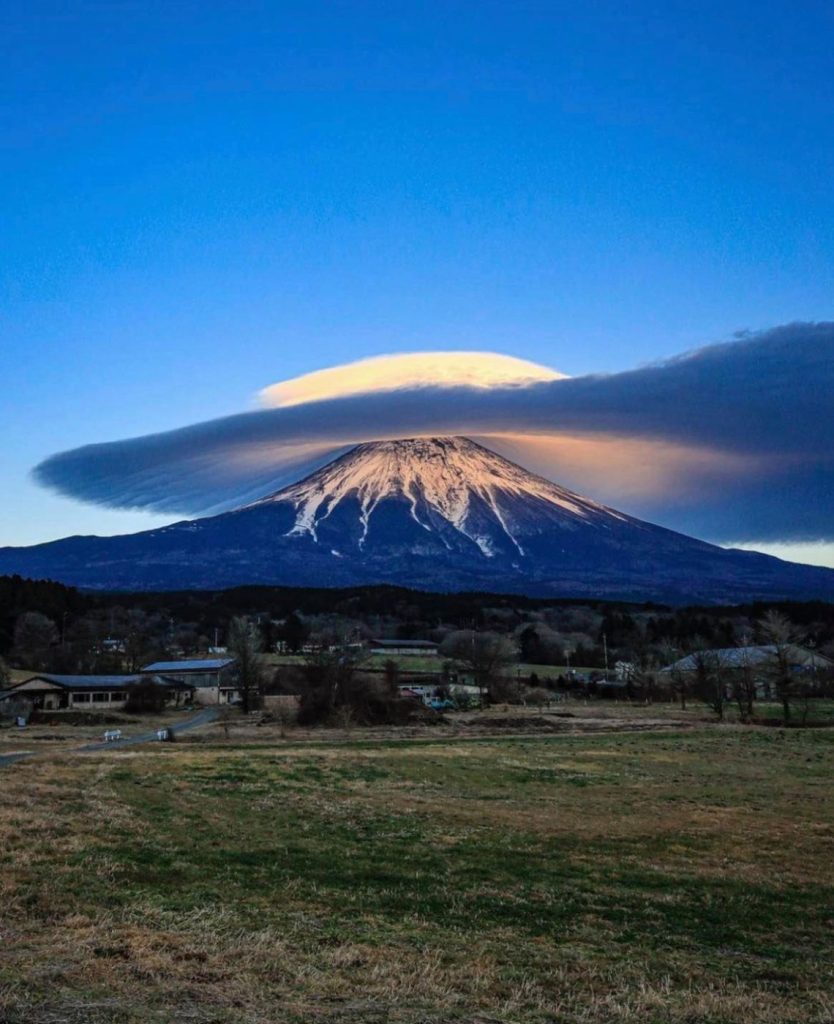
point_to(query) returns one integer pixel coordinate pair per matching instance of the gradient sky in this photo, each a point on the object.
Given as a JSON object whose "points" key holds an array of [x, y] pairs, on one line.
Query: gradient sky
{"points": [[199, 200]]}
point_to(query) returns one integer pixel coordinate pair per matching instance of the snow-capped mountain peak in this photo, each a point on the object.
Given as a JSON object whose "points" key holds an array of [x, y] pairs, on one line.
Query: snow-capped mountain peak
{"points": [[437, 513], [443, 482]]}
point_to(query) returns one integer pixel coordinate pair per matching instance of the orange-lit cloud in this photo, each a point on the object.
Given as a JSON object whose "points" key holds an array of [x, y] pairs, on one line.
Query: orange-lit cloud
{"points": [[408, 370], [617, 468], [611, 468]]}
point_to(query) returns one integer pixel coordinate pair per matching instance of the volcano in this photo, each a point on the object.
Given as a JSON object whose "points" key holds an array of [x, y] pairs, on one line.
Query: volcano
{"points": [[441, 514]]}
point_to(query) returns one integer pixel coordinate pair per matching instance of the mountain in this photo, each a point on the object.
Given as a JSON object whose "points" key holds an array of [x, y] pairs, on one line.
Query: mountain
{"points": [[432, 513]]}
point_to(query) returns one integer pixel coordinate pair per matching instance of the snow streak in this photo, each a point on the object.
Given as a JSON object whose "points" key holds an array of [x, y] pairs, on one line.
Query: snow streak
{"points": [[450, 477]]}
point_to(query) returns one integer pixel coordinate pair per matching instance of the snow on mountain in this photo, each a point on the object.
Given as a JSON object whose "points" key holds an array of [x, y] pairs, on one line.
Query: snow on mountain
{"points": [[453, 477]]}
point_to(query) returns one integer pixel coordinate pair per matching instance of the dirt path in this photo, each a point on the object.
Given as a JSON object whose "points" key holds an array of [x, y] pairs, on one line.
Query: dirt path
{"points": [[202, 718]]}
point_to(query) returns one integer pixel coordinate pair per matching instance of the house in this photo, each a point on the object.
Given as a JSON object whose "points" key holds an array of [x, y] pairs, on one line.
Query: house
{"points": [[213, 680], [423, 693], [755, 659], [49, 692], [429, 692], [112, 645], [390, 648]]}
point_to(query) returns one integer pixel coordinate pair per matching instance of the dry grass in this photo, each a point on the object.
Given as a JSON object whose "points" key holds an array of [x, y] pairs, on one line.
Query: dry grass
{"points": [[647, 877], [431, 663], [54, 735], [569, 717]]}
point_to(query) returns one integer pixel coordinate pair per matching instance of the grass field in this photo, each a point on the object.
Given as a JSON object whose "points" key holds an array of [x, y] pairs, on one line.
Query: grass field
{"points": [[422, 663], [664, 877]]}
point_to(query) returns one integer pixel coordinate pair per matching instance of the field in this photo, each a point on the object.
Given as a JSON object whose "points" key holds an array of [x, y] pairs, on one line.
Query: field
{"points": [[421, 663], [677, 875]]}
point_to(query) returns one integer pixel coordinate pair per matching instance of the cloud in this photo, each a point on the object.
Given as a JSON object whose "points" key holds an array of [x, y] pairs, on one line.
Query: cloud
{"points": [[731, 442], [404, 371], [632, 468]]}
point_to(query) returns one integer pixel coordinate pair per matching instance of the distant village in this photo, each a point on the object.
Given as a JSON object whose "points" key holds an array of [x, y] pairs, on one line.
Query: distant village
{"points": [[67, 654]]}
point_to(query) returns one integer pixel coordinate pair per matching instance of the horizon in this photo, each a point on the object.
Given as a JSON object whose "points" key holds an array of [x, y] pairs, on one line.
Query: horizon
{"points": [[337, 216]]}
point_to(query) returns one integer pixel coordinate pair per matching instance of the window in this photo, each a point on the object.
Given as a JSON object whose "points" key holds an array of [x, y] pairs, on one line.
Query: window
{"points": [[101, 698], [118, 695], [81, 698]]}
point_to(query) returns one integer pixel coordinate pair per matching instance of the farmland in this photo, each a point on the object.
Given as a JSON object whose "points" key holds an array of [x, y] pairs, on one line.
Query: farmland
{"points": [[411, 663], [653, 876]]}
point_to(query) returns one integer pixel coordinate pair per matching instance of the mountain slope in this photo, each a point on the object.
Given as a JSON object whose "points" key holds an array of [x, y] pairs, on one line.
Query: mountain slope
{"points": [[452, 487], [438, 513]]}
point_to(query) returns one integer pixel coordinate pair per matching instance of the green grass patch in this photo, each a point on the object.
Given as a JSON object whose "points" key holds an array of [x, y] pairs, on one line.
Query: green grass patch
{"points": [[651, 877]]}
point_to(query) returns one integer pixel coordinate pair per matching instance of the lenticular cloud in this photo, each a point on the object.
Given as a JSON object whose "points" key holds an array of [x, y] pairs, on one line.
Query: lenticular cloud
{"points": [[404, 371], [733, 441]]}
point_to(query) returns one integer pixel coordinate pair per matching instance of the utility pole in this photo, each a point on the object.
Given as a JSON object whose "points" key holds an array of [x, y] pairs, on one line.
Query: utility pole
{"points": [[605, 650]]}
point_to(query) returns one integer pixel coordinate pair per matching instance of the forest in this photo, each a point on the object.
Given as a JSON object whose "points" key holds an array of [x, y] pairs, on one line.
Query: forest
{"points": [[46, 626]]}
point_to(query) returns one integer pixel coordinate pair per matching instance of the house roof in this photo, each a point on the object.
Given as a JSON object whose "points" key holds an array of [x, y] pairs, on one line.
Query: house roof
{"points": [[81, 682], [404, 643], [739, 657], [194, 665]]}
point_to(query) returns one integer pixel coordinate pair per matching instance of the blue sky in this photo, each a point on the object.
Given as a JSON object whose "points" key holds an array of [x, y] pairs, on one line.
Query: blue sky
{"points": [[201, 199]]}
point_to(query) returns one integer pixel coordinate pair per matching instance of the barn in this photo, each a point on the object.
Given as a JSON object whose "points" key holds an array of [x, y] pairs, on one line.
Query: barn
{"points": [[213, 680]]}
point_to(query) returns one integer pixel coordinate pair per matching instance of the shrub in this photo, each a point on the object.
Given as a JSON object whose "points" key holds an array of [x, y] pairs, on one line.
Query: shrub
{"points": [[360, 700]]}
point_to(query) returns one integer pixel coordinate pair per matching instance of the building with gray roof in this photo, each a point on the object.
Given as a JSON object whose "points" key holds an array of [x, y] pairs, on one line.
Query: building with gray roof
{"points": [[48, 691], [214, 680]]}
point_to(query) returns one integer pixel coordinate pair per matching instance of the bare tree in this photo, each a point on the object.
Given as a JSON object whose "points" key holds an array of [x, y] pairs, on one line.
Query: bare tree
{"points": [[744, 681], [641, 677], [346, 717], [245, 644], [779, 633], [225, 713], [293, 632], [137, 639], [679, 680], [329, 683], [392, 676], [710, 685], [285, 715], [487, 656], [35, 635]]}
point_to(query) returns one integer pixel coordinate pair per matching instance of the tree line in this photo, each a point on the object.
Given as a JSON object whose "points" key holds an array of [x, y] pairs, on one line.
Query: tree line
{"points": [[498, 640]]}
